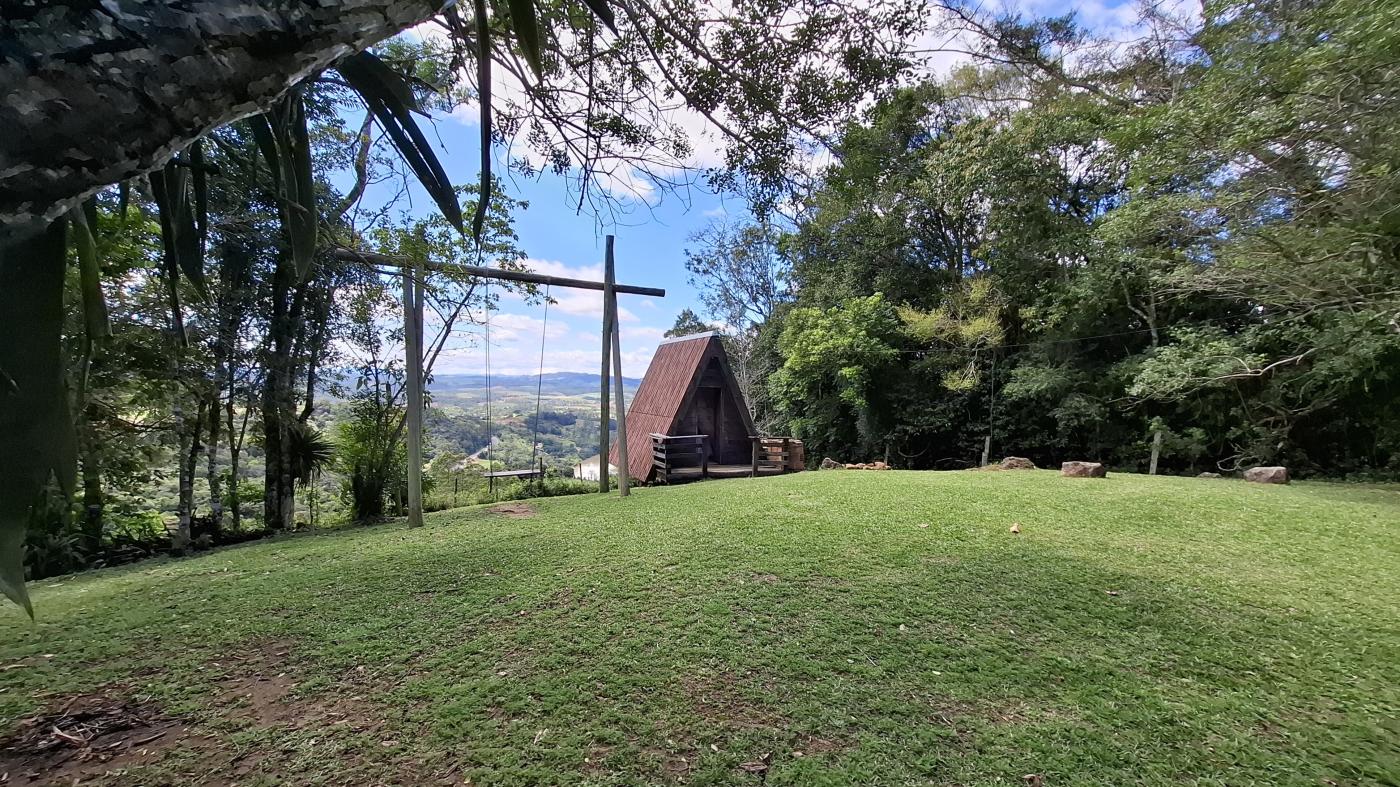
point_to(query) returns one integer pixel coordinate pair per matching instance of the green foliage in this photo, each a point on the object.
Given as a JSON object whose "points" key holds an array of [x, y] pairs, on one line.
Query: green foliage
{"points": [[687, 323], [1195, 232], [36, 433], [831, 358], [311, 452]]}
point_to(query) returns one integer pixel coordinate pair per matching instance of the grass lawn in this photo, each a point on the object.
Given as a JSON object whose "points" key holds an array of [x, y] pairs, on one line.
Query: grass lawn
{"points": [[820, 628]]}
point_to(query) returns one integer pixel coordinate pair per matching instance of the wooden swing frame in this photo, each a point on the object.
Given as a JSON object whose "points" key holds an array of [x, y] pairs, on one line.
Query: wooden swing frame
{"points": [[412, 271]]}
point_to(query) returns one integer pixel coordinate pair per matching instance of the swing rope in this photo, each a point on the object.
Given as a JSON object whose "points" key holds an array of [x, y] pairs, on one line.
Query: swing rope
{"points": [[490, 423], [539, 385]]}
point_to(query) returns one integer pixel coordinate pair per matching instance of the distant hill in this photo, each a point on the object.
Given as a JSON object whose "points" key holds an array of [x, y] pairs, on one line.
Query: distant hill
{"points": [[557, 383]]}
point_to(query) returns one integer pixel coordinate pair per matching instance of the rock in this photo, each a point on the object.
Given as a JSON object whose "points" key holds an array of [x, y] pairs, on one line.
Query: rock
{"points": [[1209, 475], [879, 466], [1017, 463], [1083, 470], [850, 466], [831, 464], [1267, 475]]}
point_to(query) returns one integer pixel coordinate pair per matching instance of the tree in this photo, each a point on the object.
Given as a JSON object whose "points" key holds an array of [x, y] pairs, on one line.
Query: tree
{"points": [[835, 365], [1181, 236], [738, 270], [743, 278], [687, 323]]}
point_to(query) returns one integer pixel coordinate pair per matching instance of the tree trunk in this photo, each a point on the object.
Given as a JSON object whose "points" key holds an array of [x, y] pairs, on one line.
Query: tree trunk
{"points": [[235, 455], [279, 397], [190, 448], [216, 498], [94, 502], [98, 93]]}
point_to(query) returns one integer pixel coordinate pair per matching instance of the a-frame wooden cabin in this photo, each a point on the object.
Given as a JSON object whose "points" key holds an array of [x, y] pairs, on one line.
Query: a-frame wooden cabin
{"points": [[689, 393]]}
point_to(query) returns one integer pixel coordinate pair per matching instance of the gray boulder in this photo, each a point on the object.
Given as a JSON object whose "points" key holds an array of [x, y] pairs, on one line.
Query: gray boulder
{"points": [[1083, 470], [1017, 463], [831, 464], [1267, 475], [1209, 475]]}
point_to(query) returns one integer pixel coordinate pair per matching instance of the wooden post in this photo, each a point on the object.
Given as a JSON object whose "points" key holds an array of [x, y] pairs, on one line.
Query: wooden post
{"points": [[704, 457], [413, 364], [603, 415], [623, 476], [986, 450], [1156, 451], [753, 472]]}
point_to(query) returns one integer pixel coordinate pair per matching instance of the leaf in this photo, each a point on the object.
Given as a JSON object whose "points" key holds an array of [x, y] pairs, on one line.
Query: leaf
{"points": [[600, 9], [301, 214], [201, 192], [261, 126], [384, 92], [369, 65], [527, 30], [284, 141], [36, 433], [95, 315], [483, 83], [172, 194], [160, 193]]}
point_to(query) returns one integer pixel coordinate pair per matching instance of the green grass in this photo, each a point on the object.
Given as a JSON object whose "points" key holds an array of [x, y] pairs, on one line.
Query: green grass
{"points": [[1252, 636]]}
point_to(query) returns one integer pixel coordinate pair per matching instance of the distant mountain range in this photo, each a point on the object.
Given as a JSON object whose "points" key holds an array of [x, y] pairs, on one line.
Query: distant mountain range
{"points": [[558, 383]]}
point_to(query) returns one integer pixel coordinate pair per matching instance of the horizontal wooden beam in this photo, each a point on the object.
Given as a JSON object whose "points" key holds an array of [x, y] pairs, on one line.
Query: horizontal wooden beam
{"points": [[529, 277]]}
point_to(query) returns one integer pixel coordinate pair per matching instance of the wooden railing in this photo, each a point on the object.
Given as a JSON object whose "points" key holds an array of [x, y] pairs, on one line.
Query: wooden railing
{"points": [[673, 453], [771, 453]]}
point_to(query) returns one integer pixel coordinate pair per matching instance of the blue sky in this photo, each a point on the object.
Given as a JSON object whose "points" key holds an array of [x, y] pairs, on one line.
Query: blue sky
{"points": [[651, 231], [649, 250]]}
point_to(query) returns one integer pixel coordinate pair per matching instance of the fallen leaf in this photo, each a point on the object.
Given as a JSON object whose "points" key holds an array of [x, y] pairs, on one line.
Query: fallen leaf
{"points": [[539, 736], [903, 627], [924, 525], [714, 748], [753, 767], [1033, 780], [1111, 592], [1015, 527]]}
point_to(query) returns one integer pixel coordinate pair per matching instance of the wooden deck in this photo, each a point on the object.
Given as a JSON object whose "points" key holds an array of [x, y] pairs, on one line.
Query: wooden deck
{"points": [[684, 474], [687, 458]]}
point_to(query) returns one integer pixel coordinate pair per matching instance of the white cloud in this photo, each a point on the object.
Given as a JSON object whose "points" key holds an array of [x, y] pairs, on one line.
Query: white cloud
{"points": [[580, 303]]}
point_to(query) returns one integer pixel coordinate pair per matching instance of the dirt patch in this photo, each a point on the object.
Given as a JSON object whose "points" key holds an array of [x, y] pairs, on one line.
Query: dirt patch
{"points": [[514, 510], [720, 698], [764, 579], [812, 746], [86, 737], [260, 688]]}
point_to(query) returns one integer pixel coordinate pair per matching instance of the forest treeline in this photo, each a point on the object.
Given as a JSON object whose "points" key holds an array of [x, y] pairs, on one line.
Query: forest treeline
{"points": [[1073, 246]]}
